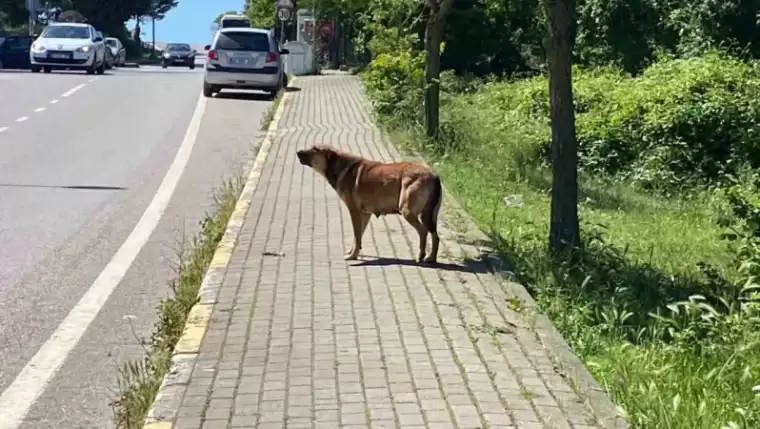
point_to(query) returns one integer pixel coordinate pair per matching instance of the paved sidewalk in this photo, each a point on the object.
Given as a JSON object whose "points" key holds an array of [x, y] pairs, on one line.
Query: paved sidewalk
{"points": [[298, 338]]}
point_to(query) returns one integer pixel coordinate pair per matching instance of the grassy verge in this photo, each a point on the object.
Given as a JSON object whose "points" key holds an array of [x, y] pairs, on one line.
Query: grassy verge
{"points": [[139, 380], [638, 304]]}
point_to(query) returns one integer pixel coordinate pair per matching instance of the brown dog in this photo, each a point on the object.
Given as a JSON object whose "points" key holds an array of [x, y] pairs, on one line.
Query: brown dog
{"points": [[411, 189]]}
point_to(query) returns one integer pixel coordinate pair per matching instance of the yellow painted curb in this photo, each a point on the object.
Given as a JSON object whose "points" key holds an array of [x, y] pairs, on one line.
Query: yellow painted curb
{"points": [[158, 425], [195, 327], [200, 314]]}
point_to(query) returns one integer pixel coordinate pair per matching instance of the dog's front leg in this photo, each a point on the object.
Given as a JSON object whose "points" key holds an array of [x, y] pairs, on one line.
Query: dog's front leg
{"points": [[359, 223]]}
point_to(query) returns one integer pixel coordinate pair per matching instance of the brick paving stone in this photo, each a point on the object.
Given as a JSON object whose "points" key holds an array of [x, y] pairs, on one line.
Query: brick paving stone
{"points": [[300, 338]]}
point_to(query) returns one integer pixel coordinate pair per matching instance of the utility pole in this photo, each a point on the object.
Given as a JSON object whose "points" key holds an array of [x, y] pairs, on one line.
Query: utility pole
{"points": [[314, 36], [153, 32], [33, 6]]}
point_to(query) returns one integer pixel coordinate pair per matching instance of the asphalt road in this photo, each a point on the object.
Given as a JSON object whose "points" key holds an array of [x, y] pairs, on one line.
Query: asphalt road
{"points": [[81, 159]]}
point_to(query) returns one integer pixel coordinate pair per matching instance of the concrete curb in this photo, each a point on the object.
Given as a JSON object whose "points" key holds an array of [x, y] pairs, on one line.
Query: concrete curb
{"points": [[163, 412]]}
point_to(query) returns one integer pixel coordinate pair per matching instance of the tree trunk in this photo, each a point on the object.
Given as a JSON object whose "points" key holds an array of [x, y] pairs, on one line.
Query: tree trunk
{"points": [[433, 39], [564, 232]]}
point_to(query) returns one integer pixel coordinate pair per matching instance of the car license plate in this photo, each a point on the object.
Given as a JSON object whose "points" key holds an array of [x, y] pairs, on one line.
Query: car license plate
{"points": [[63, 56], [239, 61]]}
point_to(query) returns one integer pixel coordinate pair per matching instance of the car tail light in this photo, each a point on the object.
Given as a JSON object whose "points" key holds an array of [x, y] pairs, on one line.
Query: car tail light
{"points": [[212, 55], [271, 57]]}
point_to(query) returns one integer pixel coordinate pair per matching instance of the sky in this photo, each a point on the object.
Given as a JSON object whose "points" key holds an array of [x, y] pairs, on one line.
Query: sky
{"points": [[190, 22]]}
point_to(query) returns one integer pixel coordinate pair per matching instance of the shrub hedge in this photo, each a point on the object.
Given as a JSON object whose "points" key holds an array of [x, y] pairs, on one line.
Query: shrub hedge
{"points": [[682, 122]]}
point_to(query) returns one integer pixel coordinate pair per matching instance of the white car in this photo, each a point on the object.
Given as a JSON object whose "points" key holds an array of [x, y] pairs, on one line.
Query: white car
{"points": [[244, 58], [117, 49], [64, 45]]}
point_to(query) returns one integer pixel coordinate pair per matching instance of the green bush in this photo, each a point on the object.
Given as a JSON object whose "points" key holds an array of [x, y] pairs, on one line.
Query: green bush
{"points": [[681, 123], [395, 77]]}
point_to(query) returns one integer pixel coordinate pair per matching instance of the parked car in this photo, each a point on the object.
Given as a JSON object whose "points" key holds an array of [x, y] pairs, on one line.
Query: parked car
{"points": [[14, 51], [117, 50], [245, 58], [178, 54], [108, 53], [73, 46]]}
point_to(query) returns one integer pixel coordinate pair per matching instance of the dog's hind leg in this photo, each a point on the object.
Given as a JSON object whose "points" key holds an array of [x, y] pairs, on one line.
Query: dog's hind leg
{"points": [[430, 219], [421, 230]]}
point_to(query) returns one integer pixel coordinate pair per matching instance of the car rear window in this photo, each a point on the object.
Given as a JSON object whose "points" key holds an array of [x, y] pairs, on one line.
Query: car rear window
{"points": [[242, 41]]}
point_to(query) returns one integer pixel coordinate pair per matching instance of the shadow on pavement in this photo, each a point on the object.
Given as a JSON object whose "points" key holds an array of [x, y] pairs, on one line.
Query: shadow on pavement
{"points": [[73, 187], [468, 265], [241, 95]]}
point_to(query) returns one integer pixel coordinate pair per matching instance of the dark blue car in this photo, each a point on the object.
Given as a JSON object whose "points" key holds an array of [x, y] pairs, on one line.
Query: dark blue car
{"points": [[14, 51]]}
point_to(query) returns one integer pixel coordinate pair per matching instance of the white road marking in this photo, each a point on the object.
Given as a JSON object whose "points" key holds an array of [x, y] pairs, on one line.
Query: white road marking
{"points": [[22, 119], [40, 109], [3, 129], [53, 101], [29, 384], [73, 90]]}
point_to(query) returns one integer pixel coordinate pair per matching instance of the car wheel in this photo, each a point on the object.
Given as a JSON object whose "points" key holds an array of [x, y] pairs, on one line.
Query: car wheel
{"points": [[36, 69], [163, 66], [208, 90], [192, 66], [47, 69]]}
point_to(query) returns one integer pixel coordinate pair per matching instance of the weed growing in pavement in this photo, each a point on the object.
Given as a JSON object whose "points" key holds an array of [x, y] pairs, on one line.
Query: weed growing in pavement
{"points": [[139, 380], [660, 306]]}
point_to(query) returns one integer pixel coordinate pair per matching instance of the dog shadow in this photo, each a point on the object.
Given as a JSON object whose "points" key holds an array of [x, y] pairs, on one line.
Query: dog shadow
{"points": [[468, 265]]}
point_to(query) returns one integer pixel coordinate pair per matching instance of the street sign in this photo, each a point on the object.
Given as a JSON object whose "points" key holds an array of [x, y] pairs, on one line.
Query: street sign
{"points": [[285, 4], [283, 14]]}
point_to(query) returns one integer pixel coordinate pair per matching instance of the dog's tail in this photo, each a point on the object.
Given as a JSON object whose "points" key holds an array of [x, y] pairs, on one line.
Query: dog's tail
{"points": [[433, 205]]}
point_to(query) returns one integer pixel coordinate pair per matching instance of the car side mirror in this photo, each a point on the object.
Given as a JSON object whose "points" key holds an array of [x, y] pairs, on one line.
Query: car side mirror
{"points": [[98, 39], [207, 47], [284, 51]]}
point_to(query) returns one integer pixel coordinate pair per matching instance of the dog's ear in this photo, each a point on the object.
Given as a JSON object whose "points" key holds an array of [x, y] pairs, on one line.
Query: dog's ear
{"points": [[328, 153]]}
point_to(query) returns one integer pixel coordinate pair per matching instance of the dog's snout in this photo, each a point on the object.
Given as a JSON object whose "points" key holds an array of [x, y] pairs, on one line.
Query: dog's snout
{"points": [[303, 157]]}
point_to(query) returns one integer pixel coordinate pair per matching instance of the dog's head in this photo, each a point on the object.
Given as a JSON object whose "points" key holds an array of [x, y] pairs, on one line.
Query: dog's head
{"points": [[317, 157]]}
